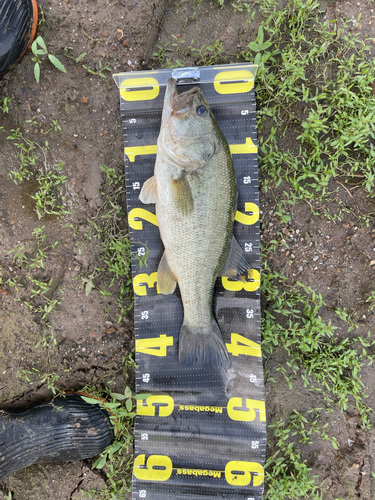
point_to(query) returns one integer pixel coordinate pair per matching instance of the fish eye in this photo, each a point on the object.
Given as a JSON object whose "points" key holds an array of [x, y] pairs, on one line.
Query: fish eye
{"points": [[201, 110]]}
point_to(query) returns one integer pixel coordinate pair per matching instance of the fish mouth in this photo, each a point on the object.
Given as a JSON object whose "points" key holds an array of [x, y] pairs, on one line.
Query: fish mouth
{"points": [[182, 102], [175, 103]]}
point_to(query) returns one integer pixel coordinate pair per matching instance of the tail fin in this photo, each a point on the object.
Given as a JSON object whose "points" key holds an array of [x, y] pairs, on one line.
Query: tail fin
{"points": [[203, 347]]}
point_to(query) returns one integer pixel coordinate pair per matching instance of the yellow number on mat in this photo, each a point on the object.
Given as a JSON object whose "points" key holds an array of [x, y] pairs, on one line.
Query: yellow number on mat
{"points": [[148, 89], [248, 220], [239, 473], [236, 149], [248, 414], [248, 147], [149, 409], [148, 473], [141, 213], [249, 286], [156, 346], [242, 345], [149, 279], [132, 152]]}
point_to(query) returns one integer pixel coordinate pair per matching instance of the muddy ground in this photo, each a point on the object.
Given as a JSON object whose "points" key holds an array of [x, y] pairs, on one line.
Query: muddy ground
{"points": [[332, 258]]}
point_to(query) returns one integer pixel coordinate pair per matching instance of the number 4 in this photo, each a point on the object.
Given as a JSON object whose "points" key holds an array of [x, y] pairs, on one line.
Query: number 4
{"points": [[156, 346], [242, 345]]}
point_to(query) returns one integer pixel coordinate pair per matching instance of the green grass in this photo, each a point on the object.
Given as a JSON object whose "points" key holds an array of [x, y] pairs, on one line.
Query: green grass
{"points": [[314, 94], [206, 55], [50, 379], [33, 164], [4, 104], [286, 475], [316, 135], [109, 228], [99, 70], [33, 287], [327, 365]]}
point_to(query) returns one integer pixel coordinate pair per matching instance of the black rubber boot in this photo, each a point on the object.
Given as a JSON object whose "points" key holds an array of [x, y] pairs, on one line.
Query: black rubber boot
{"points": [[65, 429], [18, 21]]}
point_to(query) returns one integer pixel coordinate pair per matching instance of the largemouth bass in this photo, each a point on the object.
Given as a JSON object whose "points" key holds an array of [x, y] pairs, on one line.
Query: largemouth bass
{"points": [[195, 193]]}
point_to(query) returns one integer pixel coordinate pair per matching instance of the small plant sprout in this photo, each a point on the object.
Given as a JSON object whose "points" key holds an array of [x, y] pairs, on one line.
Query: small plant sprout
{"points": [[76, 59], [99, 71], [260, 48], [39, 48], [4, 102], [208, 54]]}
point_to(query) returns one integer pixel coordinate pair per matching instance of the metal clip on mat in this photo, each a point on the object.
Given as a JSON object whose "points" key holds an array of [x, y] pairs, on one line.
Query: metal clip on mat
{"points": [[201, 434]]}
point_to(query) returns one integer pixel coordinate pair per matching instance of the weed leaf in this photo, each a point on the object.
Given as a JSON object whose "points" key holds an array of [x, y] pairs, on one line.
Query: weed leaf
{"points": [[81, 57], [141, 396], [100, 463], [89, 286], [39, 40], [92, 401], [56, 63], [37, 72], [34, 47]]}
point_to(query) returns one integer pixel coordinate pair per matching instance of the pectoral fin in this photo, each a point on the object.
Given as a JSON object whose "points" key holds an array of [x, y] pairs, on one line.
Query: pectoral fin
{"points": [[182, 194], [237, 266], [166, 279], [149, 191]]}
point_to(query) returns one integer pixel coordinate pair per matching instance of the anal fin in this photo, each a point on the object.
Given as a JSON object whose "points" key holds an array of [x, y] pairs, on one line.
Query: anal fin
{"points": [[166, 279]]}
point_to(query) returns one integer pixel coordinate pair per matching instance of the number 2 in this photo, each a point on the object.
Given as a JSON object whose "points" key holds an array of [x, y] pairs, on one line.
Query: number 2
{"points": [[141, 213]]}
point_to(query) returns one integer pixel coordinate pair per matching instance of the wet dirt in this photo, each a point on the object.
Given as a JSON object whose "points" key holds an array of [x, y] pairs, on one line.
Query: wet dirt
{"points": [[333, 258]]}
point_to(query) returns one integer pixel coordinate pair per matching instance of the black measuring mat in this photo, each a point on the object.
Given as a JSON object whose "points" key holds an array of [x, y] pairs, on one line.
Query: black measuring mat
{"points": [[201, 434]]}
